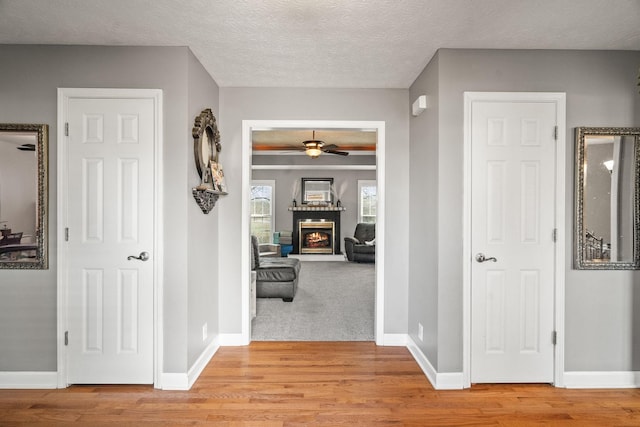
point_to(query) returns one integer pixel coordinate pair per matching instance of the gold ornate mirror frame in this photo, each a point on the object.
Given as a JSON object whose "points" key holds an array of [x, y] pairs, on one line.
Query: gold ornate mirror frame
{"points": [[607, 198], [24, 245]]}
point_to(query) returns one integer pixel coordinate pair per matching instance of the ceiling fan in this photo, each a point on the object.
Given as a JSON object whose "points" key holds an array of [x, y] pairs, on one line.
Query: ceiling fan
{"points": [[313, 148]]}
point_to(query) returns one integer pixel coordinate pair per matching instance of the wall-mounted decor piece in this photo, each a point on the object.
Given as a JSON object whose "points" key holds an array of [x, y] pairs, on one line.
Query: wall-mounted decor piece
{"points": [[317, 191], [206, 138], [607, 198], [24, 196]]}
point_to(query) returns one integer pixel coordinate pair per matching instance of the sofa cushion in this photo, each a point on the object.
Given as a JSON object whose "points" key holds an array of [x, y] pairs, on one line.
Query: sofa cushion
{"points": [[278, 270]]}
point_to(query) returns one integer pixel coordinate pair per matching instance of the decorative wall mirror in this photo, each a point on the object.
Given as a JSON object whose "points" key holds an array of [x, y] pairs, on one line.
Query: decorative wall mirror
{"points": [[206, 139], [23, 196], [206, 143], [607, 219], [317, 191]]}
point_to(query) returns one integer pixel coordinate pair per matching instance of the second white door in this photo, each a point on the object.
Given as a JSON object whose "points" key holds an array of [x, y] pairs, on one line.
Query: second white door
{"points": [[512, 226], [110, 157]]}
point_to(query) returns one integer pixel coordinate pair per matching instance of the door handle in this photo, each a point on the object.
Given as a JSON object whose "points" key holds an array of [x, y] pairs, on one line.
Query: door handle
{"points": [[481, 258], [144, 256]]}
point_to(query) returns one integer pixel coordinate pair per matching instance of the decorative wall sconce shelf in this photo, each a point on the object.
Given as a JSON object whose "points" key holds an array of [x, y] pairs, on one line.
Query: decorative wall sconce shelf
{"points": [[206, 198]]}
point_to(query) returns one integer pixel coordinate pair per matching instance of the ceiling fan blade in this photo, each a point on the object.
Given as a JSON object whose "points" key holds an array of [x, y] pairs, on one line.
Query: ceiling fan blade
{"points": [[330, 147], [27, 147], [339, 153]]}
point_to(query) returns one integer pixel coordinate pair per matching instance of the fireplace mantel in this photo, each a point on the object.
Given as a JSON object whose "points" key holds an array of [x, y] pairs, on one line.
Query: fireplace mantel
{"points": [[308, 208]]}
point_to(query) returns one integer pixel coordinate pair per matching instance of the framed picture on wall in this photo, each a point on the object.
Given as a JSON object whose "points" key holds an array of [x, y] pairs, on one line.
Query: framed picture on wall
{"points": [[217, 177]]}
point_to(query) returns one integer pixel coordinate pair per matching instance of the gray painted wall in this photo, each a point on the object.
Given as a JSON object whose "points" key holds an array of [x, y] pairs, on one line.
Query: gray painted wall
{"points": [[28, 84], [602, 324], [389, 105], [202, 229], [424, 238]]}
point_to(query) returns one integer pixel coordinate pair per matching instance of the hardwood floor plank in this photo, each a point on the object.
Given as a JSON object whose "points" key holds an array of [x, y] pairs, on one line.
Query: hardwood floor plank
{"points": [[326, 384]]}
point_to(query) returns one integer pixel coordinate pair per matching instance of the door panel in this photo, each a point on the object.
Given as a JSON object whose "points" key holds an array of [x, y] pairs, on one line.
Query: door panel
{"points": [[110, 217], [512, 220]]}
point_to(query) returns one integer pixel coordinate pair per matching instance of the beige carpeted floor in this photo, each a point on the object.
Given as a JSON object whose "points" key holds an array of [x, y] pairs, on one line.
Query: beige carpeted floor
{"points": [[334, 302]]}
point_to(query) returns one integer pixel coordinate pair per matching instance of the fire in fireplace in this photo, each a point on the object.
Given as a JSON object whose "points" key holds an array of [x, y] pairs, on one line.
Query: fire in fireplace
{"points": [[316, 237]]}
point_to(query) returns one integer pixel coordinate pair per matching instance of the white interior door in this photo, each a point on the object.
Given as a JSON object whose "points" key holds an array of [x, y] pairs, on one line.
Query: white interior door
{"points": [[512, 226], [110, 200]]}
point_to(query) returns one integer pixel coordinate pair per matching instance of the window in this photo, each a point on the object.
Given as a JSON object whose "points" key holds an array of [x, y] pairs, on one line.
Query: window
{"points": [[367, 201], [262, 205]]}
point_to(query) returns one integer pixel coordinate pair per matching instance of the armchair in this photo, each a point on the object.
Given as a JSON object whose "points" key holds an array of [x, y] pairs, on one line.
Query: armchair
{"points": [[361, 247]]}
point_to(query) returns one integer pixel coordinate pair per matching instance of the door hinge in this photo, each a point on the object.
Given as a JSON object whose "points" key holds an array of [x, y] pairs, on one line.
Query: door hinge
{"points": [[66, 337], [554, 235], [66, 129], [555, 133], [554, 337], [66, 234]]}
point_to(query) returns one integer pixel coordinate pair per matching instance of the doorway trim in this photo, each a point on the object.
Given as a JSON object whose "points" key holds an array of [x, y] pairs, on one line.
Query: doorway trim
{"points": [[559, 99], [250, 125], [64, 95]]}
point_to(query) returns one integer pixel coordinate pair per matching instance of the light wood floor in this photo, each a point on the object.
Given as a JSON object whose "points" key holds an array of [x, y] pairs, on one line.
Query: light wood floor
{"points": [[300, 384]]}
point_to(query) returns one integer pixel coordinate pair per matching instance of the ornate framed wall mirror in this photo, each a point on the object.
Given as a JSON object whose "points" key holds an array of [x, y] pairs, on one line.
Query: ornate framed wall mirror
{"points": [[23, 196], [206, 139], [607, 189]]}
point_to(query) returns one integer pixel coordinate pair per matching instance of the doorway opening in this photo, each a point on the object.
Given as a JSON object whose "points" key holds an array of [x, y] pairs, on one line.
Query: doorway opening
{"points": [[249, 126]]}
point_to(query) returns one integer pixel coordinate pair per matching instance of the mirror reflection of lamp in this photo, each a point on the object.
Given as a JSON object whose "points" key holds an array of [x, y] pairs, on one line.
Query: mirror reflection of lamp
{"points": [[5, 231], [609, 165]]}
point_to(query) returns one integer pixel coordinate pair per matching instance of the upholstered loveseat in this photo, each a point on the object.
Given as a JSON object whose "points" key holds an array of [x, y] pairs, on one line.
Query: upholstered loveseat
{"points": [[276, 277]]}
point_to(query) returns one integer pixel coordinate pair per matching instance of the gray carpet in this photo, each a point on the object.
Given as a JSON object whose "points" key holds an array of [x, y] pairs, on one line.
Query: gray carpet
{"points": [[334, 302]]}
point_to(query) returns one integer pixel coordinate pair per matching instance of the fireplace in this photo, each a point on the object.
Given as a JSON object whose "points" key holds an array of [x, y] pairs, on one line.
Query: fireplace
{"points": [[316, 236], [316, 215]]}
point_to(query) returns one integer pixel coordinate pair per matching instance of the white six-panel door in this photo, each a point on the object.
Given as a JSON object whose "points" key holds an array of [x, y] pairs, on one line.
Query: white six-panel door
{"points": [[512, 225], [110, 200]]}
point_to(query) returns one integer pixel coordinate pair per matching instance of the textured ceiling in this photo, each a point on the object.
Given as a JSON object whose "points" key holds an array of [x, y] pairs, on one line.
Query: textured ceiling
{"points": [[328, 43]]}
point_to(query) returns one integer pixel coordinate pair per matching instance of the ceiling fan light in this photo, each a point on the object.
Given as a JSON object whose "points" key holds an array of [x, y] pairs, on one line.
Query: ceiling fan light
{"points": [[313, 148], [313, 152]]}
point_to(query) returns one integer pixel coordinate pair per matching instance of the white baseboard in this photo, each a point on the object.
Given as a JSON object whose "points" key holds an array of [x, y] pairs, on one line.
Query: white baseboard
{"points": [[394, 340], [605, 379], [29, 380], [174, 381], [439, 381], [184, 381], [232, 340]]}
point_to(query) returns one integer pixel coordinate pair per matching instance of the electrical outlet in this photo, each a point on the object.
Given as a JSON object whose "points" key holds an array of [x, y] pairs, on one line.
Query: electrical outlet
{"points": [[420, 331], [204, 332]]}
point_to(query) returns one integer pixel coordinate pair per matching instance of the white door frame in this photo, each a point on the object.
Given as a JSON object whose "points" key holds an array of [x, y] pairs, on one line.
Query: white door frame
{"points": [[64, 95], [247, 127], [559, 99]]}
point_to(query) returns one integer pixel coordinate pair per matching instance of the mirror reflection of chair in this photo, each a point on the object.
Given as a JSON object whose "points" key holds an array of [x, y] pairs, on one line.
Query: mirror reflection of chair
{"points": [[11, 239]]}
